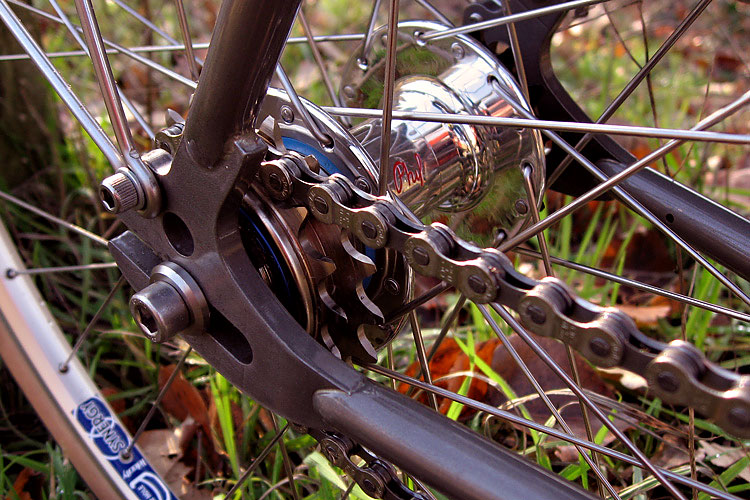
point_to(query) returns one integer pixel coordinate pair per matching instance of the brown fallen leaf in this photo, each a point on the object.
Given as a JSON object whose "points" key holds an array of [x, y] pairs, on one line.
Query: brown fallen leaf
{"points": [[646, 315], [724, 456], [19, 485]]}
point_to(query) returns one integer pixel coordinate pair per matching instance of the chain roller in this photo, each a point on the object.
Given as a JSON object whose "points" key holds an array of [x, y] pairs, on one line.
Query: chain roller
{"points": [[677, 372]]}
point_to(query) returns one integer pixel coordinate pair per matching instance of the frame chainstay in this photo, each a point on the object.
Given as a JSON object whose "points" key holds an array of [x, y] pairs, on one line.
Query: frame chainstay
{"points": [[677, 372]]}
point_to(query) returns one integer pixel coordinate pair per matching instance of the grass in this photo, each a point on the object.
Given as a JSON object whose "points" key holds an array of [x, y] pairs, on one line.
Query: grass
{"points": [[128, 366]]}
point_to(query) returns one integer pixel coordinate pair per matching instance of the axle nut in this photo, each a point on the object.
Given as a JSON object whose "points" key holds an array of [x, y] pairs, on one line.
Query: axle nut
{"points": [[118, 193], [159, 311]]}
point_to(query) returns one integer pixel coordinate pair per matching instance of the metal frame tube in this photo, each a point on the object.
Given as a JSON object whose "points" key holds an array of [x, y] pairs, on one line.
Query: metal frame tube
{"points": [[241, 59]]}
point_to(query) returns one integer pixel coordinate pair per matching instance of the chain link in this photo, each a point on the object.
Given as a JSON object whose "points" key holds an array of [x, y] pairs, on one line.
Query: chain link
{"points": [[678, 373]]}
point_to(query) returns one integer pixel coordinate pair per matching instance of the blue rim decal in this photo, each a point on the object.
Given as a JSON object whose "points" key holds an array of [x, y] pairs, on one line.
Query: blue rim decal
{"points": [[111, 439]]}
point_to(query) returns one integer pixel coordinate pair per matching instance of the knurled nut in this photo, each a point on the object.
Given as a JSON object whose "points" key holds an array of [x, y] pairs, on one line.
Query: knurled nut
{"points": [[123, 191]]}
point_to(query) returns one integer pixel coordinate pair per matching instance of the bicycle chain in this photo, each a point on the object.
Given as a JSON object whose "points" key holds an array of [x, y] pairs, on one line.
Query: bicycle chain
{"points": [[377, 478], [677, 372]]}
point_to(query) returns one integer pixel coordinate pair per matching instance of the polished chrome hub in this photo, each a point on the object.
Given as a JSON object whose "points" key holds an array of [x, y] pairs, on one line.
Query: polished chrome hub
{"points": [[449, 167]]}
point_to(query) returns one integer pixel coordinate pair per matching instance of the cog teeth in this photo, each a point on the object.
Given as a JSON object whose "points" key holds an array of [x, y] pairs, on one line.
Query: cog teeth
{"points": [[364, 263], [366, 344], [368, 304], [331, 304], [328, 341]]}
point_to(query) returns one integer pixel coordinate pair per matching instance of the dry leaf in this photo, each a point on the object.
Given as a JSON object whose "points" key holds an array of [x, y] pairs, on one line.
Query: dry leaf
{"points": [[724, 456], [645, 315], [20, 484]]}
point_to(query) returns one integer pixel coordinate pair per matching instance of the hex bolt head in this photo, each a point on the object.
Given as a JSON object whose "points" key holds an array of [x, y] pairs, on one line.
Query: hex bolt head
{"points": [[458, 51], [667, 381], [536, 314], [321, 205], [160, 312], [600, 347], [118, 193], [477, 284], [421, 256], [369, 230]]}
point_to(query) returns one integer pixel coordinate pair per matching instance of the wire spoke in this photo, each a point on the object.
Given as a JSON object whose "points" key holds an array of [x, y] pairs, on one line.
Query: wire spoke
{"points": [[594, 466], [151, 411], [52, 218], [390, 78], [301, 109], [319, 61], [521, 331], [694, 134], [500, 21], [611, 183], [643, 72], [12, 273], [423, 363], [116, 47], [639, 285], [87, 331], [530, 424], [367, 44], [185, 29], [258, 460], [285, 457]]}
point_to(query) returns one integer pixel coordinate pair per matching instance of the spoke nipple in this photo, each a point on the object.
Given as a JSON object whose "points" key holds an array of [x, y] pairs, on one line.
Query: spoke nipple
{"points": [[11, 273], [62, 367], [118, 193], [421, 256], [321, 205], [521, 206], [600, 347], [536, 314], [369, 230], [349, 92], [477, 284], [668, 381]]}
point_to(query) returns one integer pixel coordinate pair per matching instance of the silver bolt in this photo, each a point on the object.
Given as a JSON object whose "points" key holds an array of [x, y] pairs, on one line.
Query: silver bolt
{"points": [[118, 193], [349, 92], [458, 51], [160, 312], [287, 114]]}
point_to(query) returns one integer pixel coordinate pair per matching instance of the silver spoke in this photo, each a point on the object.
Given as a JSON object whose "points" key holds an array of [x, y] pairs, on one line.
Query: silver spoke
{"points": [[145, 21], [89, 124], [105, 78], [116, 47], [300, 108], [87, 331], [74, 33], [500, 21], [521, 331], [415, 303], [151, 411], [595, 467], [423, 363], [285, 457], [258, 460], [390, 77], [530, 424], [185, 29], [176, 47], [12, 273], [613, 106], [639, 285], [435, 12], [367, 44], [611, 183], [547, 125], [50, 217], [319, 61]]}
